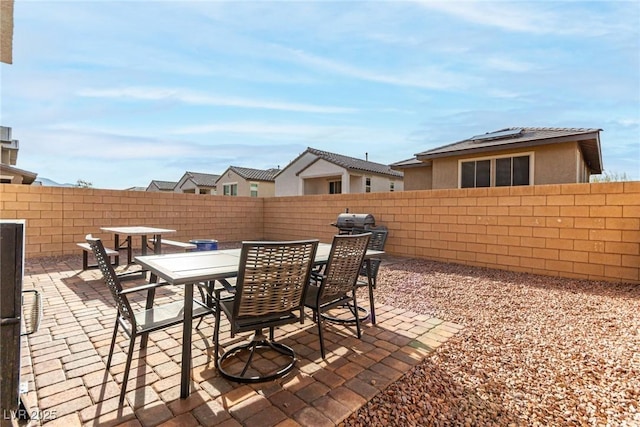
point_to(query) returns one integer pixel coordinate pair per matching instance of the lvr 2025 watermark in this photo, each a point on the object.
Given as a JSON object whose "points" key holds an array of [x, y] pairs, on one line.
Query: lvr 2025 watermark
{"points": [[29, 414]]}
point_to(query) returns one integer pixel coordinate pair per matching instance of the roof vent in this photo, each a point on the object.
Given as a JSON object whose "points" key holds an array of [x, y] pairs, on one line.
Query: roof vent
{"points": [[501, 134]]}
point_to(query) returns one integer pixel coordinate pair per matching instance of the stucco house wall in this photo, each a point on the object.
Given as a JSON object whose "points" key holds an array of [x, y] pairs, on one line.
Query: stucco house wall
{"points": [[188, 186], [552, 164], [287, 183], [311, 175], [556, 156], [418, 178], [265, 188]]}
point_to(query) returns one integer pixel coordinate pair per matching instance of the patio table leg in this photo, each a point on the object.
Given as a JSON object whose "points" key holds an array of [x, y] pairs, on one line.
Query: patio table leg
{"points": [[185, 379]]}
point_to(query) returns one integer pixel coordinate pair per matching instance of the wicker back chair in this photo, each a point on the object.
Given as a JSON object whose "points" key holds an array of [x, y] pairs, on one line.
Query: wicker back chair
{"points": [[137, 322], [270, 290], [337, 286]]}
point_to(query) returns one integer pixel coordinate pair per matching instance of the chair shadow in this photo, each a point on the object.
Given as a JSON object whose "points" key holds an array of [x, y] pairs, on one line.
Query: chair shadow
{"points": [[351, 363]]}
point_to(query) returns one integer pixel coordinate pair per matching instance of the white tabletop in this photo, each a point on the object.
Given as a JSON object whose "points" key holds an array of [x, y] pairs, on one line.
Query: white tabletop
{"points": [[137, 230], [192, 267]]}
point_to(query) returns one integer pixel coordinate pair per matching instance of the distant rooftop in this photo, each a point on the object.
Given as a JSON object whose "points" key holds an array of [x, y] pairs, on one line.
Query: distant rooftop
{"points": [[163, 185], [256, 174], [203, 179], [352, 163]]}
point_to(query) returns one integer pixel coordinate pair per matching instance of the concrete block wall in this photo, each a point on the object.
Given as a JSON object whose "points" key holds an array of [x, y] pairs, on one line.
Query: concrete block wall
{"points": [[589, 231], [58, 218]]}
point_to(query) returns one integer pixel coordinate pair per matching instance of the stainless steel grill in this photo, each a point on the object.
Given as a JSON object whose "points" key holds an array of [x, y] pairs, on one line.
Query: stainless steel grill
{"points": [[351, 223]]}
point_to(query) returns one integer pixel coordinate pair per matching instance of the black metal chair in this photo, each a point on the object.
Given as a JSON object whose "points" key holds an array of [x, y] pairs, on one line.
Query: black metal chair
{"points": [[138, 322], [337, 285], [269, 292], [369, 270]]}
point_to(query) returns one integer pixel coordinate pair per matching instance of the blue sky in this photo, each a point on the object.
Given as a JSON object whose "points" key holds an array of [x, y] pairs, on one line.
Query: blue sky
{"points": [[121, 93]]}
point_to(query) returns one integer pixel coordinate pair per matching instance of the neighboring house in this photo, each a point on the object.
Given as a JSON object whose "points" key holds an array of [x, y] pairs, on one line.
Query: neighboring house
{"points": [[320, 172], [197, 183], [508, 157], [156, 185], [9, 148], [237, 181], [136, 189]]}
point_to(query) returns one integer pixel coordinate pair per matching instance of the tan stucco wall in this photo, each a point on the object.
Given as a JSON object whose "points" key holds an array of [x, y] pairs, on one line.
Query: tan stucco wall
{"points": [[188, 186], [557, 164], [445, 173], [265, 189], [553, 164], [287, 182], [418, 178], [6, 31]]}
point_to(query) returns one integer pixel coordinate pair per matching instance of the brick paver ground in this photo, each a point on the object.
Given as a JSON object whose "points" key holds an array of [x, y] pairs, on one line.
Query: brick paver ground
{"points": [[65, 363]]}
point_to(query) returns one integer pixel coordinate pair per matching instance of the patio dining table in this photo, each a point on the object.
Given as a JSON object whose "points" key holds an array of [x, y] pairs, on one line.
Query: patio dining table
{"points": [[186, 269], [143, 232]]}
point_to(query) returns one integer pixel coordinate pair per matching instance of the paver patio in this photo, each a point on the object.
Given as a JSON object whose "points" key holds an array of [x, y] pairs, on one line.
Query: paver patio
{"points": [[65, 363]]}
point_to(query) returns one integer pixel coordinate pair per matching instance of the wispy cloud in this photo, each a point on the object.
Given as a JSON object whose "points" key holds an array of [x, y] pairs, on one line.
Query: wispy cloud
{"points": [[257, 129], [190, 97], [310, 133], [421, 77], [537, 18], [510, 65]]}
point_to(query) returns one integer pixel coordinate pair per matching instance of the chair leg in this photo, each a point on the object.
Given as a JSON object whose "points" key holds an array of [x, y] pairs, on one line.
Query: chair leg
{"points": [[372, 305], [204, 301], [216, 333], [319, 317], [355, 304], [151, 295], [127, 368], [113, 343]]}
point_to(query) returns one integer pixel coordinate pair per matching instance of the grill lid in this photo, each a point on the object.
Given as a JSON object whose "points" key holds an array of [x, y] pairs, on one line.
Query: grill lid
{"points": [[351, 220]]}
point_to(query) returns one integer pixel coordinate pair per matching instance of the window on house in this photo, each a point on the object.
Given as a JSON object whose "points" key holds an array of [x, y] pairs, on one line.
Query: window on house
{"points": [[476, 174], [392, 186], [498, 172], [254, 189], [367, 185], [512, 171], [335, 187], [230, 189]]}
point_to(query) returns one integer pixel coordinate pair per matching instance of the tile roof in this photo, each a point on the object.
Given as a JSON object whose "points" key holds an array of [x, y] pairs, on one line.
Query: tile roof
{"points": [[203, 179], [164, 185], [527, 135], [355, 164], [256, 174], [588, 138]]}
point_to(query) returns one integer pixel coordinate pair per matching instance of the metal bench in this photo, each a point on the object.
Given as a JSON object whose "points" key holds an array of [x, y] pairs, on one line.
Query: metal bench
{"points": [[186, 246], [86, 249]]}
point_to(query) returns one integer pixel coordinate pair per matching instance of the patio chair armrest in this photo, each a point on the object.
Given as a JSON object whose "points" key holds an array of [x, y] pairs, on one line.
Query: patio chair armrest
{"points": [[143, 287], [224, 286]]}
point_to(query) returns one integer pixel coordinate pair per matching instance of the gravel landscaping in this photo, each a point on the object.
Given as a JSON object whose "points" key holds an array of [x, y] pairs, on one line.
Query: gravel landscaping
{"points": [[534, 351]]}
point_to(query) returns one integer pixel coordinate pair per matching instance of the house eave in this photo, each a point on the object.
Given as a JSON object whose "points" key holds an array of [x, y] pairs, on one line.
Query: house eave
{"points": [[589, 145]]}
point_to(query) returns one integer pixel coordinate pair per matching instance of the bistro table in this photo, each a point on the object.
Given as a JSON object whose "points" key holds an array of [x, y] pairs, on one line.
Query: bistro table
{"points": [[141, 231], [194, 267]]}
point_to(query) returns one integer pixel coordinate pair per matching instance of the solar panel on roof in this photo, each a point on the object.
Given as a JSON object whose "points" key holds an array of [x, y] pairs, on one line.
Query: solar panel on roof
{"points": [[497, 135]]}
